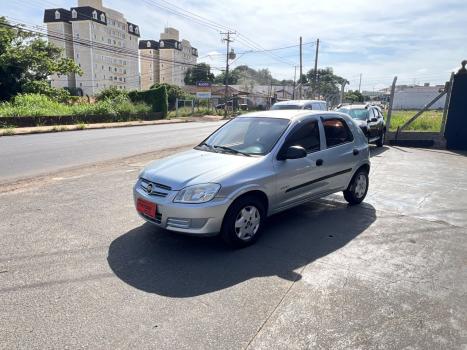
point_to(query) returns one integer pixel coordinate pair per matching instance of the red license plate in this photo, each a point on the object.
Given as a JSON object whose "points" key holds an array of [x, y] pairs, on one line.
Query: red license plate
{"points": [[145, 207]]}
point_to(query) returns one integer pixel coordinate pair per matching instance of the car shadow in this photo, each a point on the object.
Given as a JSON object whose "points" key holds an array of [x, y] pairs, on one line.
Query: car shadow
{"points": [[168, 264], [377, 151]]}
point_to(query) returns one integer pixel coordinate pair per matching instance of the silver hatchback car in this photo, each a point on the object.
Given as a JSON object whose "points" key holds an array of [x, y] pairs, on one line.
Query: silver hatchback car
{"points": [[255, 165]]}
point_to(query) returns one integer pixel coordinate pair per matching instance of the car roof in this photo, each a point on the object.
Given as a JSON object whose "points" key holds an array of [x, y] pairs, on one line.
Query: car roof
{"points": [[297, 102], [291, 114], [359, 106]]}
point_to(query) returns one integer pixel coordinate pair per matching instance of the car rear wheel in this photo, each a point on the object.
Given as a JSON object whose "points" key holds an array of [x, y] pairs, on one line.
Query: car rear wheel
{"points": [[358, 188], [243, 222], [380, 142]]}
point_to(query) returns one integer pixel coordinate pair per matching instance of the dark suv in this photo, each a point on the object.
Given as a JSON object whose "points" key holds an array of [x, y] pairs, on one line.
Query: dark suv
{"points": [[370, 119]]}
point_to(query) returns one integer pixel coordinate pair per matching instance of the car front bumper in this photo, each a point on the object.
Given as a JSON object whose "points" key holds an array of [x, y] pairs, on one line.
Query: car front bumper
{"points": [[204, 219]]}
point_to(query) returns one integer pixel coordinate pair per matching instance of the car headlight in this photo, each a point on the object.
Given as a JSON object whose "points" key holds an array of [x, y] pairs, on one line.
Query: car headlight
{"points": [[197, 193]]}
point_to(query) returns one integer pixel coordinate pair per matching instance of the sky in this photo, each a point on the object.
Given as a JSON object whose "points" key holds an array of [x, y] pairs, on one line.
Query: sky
{"points": [[417, 41]]}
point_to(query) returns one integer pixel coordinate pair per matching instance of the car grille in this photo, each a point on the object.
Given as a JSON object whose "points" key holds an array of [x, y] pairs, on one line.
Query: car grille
{"points": [[156, 187]]}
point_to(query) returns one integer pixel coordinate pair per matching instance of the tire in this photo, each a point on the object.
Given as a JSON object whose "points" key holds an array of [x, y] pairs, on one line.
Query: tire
{"points": [[380, 142], [358, 188], [243, 222]]}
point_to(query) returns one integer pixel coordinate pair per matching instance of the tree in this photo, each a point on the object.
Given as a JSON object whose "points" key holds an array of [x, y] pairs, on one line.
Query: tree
{"points": [[26, 61], [353, 96], [173, 92], [233, 78], [328, 85], [200, 72]]}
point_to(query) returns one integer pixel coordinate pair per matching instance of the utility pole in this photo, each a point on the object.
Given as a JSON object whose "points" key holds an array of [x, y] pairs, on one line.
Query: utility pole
{"points": [[342, 92], [294, 80], [301, 69], [360, 84], [228, 40], [315, 77]]}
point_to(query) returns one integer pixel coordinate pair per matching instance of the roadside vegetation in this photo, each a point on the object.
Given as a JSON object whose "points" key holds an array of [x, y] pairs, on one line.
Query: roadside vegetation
{"points": [[25, 105], [428, 121]]}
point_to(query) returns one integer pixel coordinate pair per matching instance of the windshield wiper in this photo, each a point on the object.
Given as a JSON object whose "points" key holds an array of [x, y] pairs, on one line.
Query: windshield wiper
{"points": [[228, 149], [204, 144]]}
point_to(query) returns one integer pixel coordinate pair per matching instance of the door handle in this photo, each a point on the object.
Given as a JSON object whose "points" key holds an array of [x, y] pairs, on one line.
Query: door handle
{"points": [[356, 152], [319, 162]]}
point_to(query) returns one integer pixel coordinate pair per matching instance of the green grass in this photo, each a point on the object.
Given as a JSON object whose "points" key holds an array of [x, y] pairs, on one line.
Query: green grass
{"points": [[428, 121], [40, 105]]}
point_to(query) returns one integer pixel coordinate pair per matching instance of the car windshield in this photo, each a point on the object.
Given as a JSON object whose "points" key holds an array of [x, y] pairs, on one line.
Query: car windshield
{"points": [[279, 107], [246, 135], [360, 114]]}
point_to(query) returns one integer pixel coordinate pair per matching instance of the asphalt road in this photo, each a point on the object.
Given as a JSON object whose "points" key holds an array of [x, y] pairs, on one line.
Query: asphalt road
{"points": [[80, 269], [30, 155]]}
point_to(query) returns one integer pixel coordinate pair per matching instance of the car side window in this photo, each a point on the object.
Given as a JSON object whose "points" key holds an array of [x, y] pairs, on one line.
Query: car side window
{"points": [[310, 106], [305, 135], [337, 132]]}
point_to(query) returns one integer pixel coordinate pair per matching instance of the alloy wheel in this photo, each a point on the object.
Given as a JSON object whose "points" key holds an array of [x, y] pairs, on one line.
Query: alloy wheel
{"points": [[360, 186], [247, 222]]}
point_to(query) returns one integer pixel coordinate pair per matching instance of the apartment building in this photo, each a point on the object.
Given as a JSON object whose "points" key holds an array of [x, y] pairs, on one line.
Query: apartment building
{"points": [[150, 63], [175, 56], [101, 41]]}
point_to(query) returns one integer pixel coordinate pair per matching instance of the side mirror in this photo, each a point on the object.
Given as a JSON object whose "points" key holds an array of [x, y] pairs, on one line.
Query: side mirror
{"points": [[293, 152], [373, 120]]}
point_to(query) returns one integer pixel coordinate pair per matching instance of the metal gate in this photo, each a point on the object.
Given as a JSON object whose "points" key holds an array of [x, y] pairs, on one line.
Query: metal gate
{"points": [[456, 124]]}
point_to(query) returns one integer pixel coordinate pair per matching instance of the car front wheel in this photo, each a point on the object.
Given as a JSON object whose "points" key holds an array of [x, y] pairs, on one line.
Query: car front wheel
{"points": [[358, 188], [243, 222]]}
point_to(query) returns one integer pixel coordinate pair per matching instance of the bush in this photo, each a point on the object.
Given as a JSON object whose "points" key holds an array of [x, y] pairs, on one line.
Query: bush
{"points": [[173, 92], [41, 105], [42, 87], [111, 93], [156, 98], [33, 105]]}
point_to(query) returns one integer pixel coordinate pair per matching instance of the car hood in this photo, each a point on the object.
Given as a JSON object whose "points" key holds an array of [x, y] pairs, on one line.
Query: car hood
{"points": [[195, 167]]}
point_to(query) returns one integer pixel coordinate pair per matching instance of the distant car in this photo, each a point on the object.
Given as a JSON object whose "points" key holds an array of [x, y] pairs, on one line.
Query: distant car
{"points": [[370, 119], [256, 165], [314, 105], [222, 105]]}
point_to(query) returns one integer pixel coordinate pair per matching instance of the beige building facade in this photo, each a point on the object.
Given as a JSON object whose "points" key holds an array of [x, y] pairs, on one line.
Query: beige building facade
{"points": [[174, 57], [101, 41]]}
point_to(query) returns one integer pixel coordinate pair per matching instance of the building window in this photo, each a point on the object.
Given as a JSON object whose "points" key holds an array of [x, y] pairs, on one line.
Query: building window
{"points": [[57, 15], [94, 14], [102, 17], [136, 30], [130, 28], [74, 14], [148, 44]]}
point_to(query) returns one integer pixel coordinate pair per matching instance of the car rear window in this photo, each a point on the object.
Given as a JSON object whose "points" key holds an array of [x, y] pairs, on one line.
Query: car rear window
{"points": [[337, 132], [283, 107], [360, 114]]}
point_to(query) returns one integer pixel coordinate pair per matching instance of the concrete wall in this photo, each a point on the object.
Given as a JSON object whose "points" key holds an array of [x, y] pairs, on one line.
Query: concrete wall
{"points": [[417, 98]]}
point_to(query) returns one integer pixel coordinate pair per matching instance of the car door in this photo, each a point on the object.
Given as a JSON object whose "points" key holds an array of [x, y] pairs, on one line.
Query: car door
{"points": [[340, 153], [295, 178]]}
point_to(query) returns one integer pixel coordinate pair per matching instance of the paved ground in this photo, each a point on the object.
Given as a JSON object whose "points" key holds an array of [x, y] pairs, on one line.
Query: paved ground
{"points": [[31, 155], [79, 269]]}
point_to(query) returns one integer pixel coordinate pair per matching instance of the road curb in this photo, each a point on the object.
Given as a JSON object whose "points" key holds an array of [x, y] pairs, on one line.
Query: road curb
{"points": [[63, 128]]}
